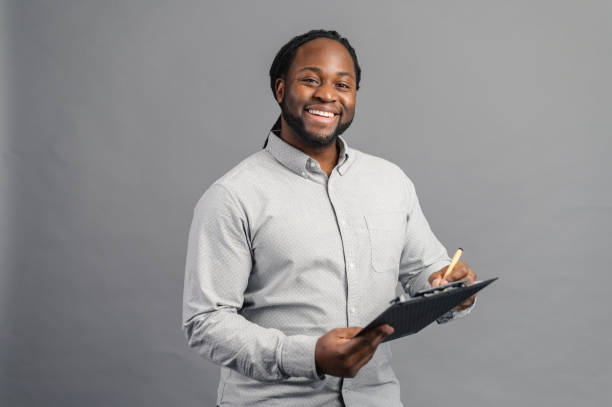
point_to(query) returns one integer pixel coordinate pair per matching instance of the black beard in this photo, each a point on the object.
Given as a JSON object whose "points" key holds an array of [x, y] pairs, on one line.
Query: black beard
{"points": [[297, 125]]}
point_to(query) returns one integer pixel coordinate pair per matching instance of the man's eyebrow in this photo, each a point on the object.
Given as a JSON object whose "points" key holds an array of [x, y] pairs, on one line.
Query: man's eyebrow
{"points": [[318, 70]]}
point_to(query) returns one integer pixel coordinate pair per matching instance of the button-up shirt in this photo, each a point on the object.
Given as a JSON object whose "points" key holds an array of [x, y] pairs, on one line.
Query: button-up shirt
{"points": [[279, 254]]}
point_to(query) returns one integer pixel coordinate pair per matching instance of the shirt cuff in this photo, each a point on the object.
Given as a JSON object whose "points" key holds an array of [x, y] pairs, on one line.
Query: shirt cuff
{"points": [[298, 357], [454, 314]]}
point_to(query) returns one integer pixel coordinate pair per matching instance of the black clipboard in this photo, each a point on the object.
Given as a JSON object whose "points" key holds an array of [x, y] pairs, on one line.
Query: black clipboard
{"points": [[409, 317]]}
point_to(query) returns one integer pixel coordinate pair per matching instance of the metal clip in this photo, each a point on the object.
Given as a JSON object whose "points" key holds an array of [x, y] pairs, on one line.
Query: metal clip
{"points": [[397, 300]]}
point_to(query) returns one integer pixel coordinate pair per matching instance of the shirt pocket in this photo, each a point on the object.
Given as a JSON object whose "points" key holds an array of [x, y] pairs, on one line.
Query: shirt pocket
{"points": [[386, 232]]}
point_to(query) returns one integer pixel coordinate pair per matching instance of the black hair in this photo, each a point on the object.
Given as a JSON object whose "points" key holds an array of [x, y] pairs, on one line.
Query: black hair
{"points": [[286, 55]]}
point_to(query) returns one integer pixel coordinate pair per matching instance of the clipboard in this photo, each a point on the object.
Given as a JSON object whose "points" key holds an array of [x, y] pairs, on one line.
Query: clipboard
{"points": [[410, 316]]}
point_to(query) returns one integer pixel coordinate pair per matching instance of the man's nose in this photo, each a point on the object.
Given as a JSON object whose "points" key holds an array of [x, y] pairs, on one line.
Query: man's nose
{"points": [[326, 93]]}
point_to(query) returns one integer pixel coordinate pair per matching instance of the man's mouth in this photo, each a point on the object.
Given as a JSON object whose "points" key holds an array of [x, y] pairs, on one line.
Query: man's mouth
{"points": [[321, 117], [321, 113]]}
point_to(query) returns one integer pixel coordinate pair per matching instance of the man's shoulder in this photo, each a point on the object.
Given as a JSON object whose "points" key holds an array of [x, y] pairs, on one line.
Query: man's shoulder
{"points": [[233, 184], [377, 165], [246, 173], [243, 169]]}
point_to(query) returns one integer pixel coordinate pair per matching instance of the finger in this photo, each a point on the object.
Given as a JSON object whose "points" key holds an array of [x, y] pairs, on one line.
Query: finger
{"points": [[471, 276], [436, 275], [372, 334], [369, 337], [461, 272], [458, 273], [364, 357], [467, 303], [366, 349], [362, 361], [438, 279], [349, 332], [356, 354]]}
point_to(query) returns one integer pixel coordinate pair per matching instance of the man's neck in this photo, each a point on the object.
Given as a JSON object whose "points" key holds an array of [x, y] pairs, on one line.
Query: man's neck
{"points": [[326, 156]]}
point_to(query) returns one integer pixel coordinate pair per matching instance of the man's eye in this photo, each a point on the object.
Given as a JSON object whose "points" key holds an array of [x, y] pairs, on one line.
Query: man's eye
{"points": [[309, 80], [343, 85]]}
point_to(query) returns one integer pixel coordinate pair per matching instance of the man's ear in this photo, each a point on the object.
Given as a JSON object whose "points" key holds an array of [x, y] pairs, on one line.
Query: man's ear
{"points": [[279, 86]]}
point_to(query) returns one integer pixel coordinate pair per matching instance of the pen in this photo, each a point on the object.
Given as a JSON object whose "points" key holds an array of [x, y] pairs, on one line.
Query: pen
{"points": [[453, 263]]}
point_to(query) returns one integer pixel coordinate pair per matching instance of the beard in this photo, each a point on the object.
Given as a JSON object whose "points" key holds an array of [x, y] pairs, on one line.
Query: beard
{"points": [[314, 139]]}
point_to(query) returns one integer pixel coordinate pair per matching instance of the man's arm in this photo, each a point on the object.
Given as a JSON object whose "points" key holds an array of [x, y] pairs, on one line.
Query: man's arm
{"points": [[424, 259], [423, 254], [216, 274]]}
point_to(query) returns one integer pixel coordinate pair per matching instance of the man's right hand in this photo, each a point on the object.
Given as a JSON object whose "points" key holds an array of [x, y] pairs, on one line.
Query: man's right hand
{"points": [[340, 353]]}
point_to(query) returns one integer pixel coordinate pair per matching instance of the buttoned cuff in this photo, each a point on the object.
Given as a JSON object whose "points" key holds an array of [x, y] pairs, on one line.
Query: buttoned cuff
{"points": [[298, 357], [454, 314]]}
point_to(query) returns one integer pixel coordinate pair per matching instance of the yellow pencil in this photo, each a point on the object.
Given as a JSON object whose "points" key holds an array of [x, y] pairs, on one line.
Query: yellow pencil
{"points": [[453, 262]]}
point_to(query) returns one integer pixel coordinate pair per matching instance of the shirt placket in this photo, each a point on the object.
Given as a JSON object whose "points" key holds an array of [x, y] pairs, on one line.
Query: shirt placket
{"points": [[348, 246]]}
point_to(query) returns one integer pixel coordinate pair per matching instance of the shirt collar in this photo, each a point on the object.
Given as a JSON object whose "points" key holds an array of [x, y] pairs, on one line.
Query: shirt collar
{"points": [[298, 162]]}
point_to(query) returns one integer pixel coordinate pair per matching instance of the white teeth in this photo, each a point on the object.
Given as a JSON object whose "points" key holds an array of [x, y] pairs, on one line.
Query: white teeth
{"points": [[321, 113]]}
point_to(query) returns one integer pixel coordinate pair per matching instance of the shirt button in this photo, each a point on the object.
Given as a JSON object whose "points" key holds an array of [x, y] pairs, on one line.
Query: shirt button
{"points": [[350, 266], [312, 164], [353, 310], [342, 222]]}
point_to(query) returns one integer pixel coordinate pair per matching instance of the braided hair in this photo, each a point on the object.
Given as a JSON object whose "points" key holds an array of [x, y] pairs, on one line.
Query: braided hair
{"points": [[285, 56]]}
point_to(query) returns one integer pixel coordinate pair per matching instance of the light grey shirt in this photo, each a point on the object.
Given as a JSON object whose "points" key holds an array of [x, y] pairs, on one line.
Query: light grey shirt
{"points": [[279, 253]]}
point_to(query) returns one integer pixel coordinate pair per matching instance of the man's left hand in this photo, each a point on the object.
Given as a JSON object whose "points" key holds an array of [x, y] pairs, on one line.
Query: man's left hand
{"points": [[461, 272]]}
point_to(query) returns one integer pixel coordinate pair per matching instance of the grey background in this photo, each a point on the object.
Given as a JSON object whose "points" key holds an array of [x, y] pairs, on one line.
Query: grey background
{"points": [[116, 116]]}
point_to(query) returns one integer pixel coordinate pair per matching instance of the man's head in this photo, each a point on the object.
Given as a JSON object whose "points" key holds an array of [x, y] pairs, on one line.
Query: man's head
{"points": [[314, 78]]}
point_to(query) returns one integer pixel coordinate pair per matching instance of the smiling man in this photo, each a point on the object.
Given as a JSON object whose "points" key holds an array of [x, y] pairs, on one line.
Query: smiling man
{"points": [[303, 243]]}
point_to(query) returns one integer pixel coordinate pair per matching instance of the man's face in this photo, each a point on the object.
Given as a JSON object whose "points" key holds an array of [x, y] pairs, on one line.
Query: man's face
{"points": [[317, 96]]}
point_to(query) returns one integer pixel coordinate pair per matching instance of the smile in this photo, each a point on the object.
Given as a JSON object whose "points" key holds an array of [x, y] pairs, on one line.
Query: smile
{"points": [[321, 113]]}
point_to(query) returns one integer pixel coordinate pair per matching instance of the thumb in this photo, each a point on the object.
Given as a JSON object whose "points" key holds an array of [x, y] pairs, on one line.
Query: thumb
{"points": [[384, 330], [349, 332]]}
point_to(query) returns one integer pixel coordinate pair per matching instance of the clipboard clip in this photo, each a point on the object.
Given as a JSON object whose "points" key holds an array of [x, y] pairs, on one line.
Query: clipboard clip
{"points": [[397, 300], [431, 291], [441, 288]]}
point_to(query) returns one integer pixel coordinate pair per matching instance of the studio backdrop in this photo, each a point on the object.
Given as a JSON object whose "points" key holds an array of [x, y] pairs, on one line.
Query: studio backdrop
{"points": [[116, 116]]}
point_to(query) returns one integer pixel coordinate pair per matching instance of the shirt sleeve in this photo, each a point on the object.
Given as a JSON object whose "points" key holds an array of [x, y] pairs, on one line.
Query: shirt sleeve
{"points": [[423, 254], [217, 271]]}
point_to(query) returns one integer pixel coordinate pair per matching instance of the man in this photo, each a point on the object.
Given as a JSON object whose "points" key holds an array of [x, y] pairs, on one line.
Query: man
{"points": [[304, 242]]}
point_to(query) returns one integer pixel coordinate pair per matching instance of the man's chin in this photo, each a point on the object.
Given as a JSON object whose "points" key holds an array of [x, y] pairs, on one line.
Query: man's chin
{"points": [[318, 140], [313, 137]]}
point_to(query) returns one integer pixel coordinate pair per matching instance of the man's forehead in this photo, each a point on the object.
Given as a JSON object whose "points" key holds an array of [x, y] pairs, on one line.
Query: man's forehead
{"points": [[323, 53]]}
